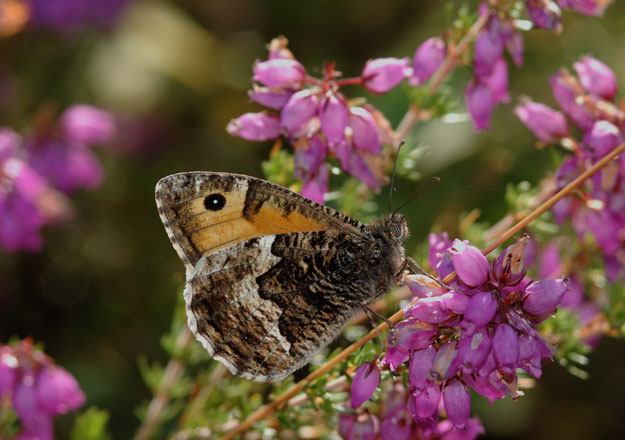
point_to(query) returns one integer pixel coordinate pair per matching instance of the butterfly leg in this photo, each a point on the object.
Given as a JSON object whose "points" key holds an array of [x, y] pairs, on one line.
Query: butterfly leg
{"points": [[418, 269], [372, 314]]}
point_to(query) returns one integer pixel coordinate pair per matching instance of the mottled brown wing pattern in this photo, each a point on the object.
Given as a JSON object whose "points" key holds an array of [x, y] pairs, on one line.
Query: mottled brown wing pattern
{"points": [[265, 306], [250, 208]]}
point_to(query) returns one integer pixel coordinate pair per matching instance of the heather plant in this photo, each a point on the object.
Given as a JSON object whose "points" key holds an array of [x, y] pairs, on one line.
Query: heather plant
{"points": [[470, 326]]}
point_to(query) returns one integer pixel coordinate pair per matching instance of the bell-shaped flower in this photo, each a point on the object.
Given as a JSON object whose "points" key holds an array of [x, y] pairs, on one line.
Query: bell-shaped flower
{"points": [[470, 264], [545, 123], [279, 72], [506, 348], [382, 74], [299, 109], [269, 97], [497, 81], [255, 126], [445, 363], [480, 311], [364, 131], [487, 50], [87, 125], [426, 401], [427, 59], [8, 372], [489, 386], [565, 89], [365, 381], [586, 7], [473, 430], [420, 365], [317, 186], [596, 77], [333, 114], [509, 266], [602, 138], [57, 391], [529, 356], [396, 425], [543, 296], [409, 335], [545, 14], [457, 402], [479, 100], [358, 427], [473, 350]]}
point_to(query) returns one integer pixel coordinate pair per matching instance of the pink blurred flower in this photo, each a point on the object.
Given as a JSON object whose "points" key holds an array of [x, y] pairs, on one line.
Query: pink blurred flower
{"points": [[382, 74]]}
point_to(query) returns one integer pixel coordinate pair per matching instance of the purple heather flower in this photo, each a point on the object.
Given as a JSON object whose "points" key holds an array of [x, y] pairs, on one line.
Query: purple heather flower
{"points": [[602, 138], [550, 263], [382, 74], [529, 356], [543, 296], [333, 114], [270, 98], [596, 77], [479, 99], [448, 432], [586, 7], [365, 382], [509, 266], [309, 155], [316, 187], [480, 311], [445, 363], [433, 310], [255, 126], [409, 335], [420, 366], [9, 143], [457, 402], [488, 48], [69, 14], [87, 125], [299, 109], [58, 391], [545, 14], [365, 135], [488, 385], [515, 48], [469, 262], [427, 59], [279, 72], [473, 350], [355, 164], [8, 371], [506, 348], [497, 81], [396, 425], [606, 226], [545, 123], [565, 89], [425, 402], [358, 427]]}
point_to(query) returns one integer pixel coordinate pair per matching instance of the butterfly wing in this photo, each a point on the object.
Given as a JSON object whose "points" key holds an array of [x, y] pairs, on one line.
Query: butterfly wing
{"points": [[204, 212], [266, 305]]}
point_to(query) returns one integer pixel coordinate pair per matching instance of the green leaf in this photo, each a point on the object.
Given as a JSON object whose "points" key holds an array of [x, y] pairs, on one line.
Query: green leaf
{"points": [[91, 425]]}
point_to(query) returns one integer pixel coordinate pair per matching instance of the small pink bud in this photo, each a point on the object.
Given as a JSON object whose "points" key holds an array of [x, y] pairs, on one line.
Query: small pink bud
{"points": [[481, 310], [427, 59], [382, 74], [497, 81], [545, 123], [316, 187], [469, 262], [509, 266], [506, 348], [596, 77], [279, 72], [9, 143], [420, 365], [255, 126], [278, 49], [270, 98], [299, 109], [426, 401], [473, 350], [529, 356], [87, 125], [515, 48], [602, 138], [544, 296], [8, 372], [365, 136], [432, 310], [565, 89], [333, 115], [487, 50], [457, 402], [58, 391], [365, 381], [586, 7], [545, 14], [445, 362], [479, 99]]}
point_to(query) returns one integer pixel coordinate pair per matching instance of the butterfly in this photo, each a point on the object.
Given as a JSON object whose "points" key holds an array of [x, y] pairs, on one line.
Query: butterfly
{"points": [[271, 276]]}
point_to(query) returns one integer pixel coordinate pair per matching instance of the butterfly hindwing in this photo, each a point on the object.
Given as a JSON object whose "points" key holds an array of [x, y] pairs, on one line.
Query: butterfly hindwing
{"points": [[266, 305], [204, 212]]}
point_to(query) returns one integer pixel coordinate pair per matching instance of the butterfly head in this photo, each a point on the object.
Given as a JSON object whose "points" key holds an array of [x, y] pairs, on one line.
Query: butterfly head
{"points": [[396, 227]]}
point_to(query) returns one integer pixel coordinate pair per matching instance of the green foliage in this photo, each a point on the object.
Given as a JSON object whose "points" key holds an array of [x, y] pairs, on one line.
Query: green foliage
{"points": [[279, 168], [91, 425], [9, 423]]}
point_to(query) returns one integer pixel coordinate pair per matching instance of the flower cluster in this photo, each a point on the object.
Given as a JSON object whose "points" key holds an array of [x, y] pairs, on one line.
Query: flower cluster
{"points": [[547, 14], [475, 334], [39, 171], [319, 121], [588, 103], [70, 14], [37, 389]]}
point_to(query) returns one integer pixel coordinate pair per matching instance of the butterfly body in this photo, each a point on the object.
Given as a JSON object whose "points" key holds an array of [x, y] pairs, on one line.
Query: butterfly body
{"points": [[271, 276]]}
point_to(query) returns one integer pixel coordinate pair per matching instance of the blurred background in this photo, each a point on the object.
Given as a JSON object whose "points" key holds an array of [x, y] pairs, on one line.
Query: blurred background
{"points": [[100, 293]]}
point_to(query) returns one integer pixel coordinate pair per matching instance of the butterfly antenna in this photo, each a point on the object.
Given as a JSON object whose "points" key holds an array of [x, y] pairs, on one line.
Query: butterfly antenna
{"points": [[418, 191], [390, 193]]}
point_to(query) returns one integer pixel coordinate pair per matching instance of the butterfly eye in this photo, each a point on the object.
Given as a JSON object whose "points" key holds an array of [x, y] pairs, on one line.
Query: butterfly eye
{"points": [[214, 202], [395, 230]]}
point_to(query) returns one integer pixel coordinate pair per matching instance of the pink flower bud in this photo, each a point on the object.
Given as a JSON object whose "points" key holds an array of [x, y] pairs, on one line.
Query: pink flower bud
{"points": [[545, 123], [506, 348], [8, 372], [255, 126], [596, 77], [445, 362], [278, 49], [299, 109], [358, 427], [382, 74], [544, 296], [420, 365], [9, 143], [87, 125], [481, 310], [316, 187], [545, 14], [279, 72], [488, 48], [470, 264], [509, 266], [270, 98], [479, 99], [427, 59], [457, 402], [58, 391], [489, 386], [602, 138], [565, 89], [431, 310], [396, 425], [333, 115], [529, 356], [365, 136], [515, 48], [426, 401], [473, 350], [497, 81], [586, 7], [365, 381], [308, 156]]}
